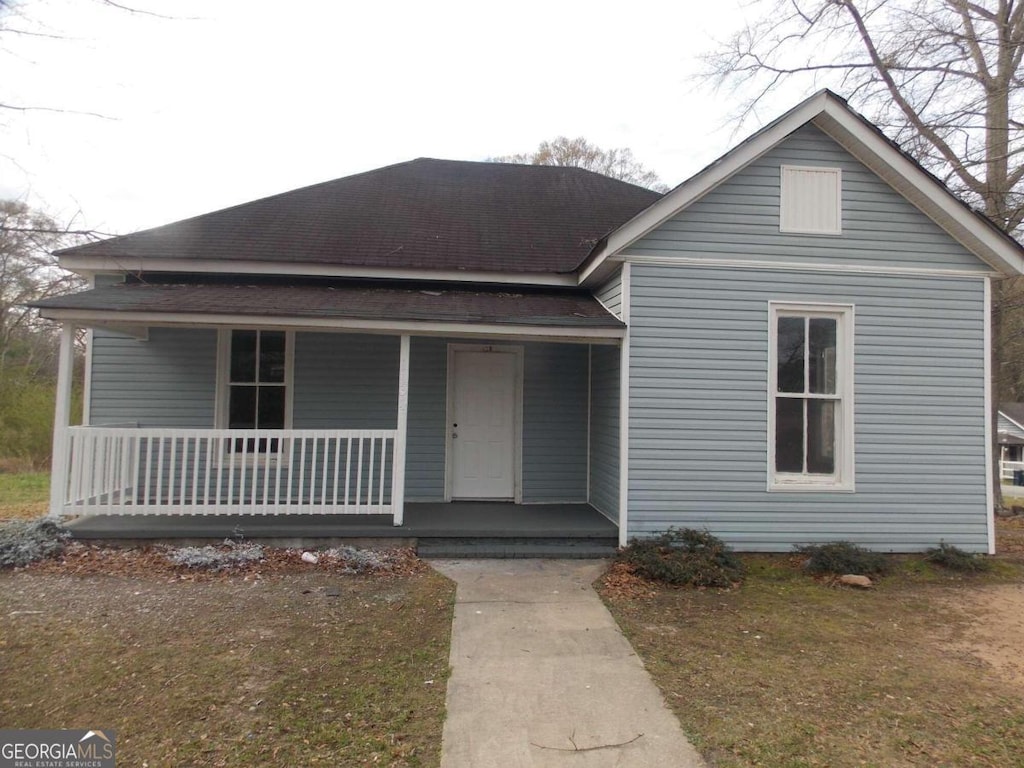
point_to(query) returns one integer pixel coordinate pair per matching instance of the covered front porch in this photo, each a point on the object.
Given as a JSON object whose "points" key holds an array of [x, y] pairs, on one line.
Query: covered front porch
{"points": [[291, 427]]}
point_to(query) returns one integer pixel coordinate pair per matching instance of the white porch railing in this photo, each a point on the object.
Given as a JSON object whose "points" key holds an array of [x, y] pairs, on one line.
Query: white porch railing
{"points": [[126, 471], [1006, 469]]}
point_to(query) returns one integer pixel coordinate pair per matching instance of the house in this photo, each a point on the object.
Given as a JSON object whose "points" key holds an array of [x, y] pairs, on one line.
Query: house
{"points": [[1010, 433], [789, 347]]}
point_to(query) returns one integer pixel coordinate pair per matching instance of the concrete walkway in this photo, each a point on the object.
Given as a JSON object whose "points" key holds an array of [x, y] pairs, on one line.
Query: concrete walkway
{"points": [[537, 664]]}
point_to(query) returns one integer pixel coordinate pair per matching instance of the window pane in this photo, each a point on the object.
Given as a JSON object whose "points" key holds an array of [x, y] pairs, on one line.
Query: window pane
{"points": [[791, 354], [243, 356], [789, 434], [822, 343], [271, 408], [272, 356], [242, 408], [821, 436]]}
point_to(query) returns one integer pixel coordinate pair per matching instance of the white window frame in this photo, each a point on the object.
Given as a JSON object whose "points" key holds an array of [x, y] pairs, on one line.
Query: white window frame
{"points": [[785, 198], [842, 479], [222, 408]]}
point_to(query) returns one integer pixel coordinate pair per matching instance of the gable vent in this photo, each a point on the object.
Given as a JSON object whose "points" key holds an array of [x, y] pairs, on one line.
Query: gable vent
{"points": [[811, 200]]}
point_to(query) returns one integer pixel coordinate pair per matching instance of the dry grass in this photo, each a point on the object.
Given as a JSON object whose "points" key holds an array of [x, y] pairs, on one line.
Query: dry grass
{"points": [[789, 671], [23, 495], [1010, 536], [290, 669]]}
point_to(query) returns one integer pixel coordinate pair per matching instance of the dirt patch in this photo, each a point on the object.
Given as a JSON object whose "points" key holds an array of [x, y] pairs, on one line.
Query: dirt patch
{"points": [[995, 633]]}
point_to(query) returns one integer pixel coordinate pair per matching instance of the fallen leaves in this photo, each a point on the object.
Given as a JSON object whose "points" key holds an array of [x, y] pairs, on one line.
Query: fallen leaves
{"points": [[622, 582]]}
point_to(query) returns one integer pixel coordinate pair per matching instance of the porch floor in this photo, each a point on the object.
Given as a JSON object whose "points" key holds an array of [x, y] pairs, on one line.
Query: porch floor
{"points": [[464, 519]]}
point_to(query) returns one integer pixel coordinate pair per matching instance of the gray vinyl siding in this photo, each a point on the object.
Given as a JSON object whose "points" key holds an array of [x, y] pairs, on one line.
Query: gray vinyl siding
{"points": [[428, 409], [345, 381], [698, 414], [555, 423], [167, 381], [610, 294], [740, 219], [604, 430]]}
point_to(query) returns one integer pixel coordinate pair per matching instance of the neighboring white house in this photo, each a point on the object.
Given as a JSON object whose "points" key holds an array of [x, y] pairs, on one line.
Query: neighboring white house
{"points": [[1011, 442]]}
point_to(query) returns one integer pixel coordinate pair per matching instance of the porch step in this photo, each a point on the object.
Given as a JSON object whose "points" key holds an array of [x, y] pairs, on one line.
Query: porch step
{"points": [[507, 548]]}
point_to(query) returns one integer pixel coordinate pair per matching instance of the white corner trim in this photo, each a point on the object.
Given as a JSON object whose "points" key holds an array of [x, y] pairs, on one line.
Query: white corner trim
{"points": [[87, 373], [624, 413], [401, 434], [590, 408], [60, 462], [87, 383], [809, 266], [989, 468]]}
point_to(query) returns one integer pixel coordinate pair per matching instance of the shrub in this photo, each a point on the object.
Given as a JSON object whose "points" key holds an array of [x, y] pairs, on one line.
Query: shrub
{"points": [[684, 556], [230, 554], [25, 541], [842, 557], [354, 560], [955, 559]]}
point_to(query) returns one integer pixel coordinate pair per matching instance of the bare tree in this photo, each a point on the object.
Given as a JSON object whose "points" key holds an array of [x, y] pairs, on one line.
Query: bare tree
{"points": [[579, 153], [943, 78], [29, 271]]}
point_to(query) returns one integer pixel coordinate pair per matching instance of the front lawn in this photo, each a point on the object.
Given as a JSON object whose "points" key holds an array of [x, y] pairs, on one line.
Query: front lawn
{"points": [[284, 670], [789, 671], [23, 495]]}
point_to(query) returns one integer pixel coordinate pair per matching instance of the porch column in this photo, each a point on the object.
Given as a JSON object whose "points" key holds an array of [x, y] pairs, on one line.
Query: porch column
{"points": [[61, 421], [398, 468]]}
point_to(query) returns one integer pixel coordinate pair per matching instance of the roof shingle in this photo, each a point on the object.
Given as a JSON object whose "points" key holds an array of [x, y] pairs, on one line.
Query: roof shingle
{"points": [[422, 214], [357, 300]]}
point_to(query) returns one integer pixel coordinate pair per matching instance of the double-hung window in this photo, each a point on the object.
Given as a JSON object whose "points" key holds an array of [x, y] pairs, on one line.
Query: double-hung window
{"points": [[256, 377], [810, 413]]}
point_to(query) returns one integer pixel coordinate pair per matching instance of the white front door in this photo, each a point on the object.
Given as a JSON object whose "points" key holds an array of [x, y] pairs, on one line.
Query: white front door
{"points": [[482, 424]]}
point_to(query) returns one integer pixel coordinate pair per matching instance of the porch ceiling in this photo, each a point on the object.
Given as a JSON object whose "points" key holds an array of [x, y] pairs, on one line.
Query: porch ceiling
{"points": [[139, 303]]}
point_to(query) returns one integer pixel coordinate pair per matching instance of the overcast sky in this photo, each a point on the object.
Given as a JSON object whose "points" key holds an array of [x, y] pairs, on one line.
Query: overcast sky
{"points": [[233, 100]]}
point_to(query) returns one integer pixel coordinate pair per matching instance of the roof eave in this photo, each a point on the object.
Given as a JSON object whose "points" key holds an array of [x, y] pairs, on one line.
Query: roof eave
{"points": [[133, 322], [89, 265]]}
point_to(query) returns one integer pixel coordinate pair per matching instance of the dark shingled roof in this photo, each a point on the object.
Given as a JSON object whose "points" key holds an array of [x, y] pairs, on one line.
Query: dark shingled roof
{"points": [[358, 300], [422, 214]]}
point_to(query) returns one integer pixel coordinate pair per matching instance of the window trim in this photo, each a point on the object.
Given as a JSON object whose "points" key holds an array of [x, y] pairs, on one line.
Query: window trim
{"points": [[221, 408], [842, 480], [783, 187]]}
